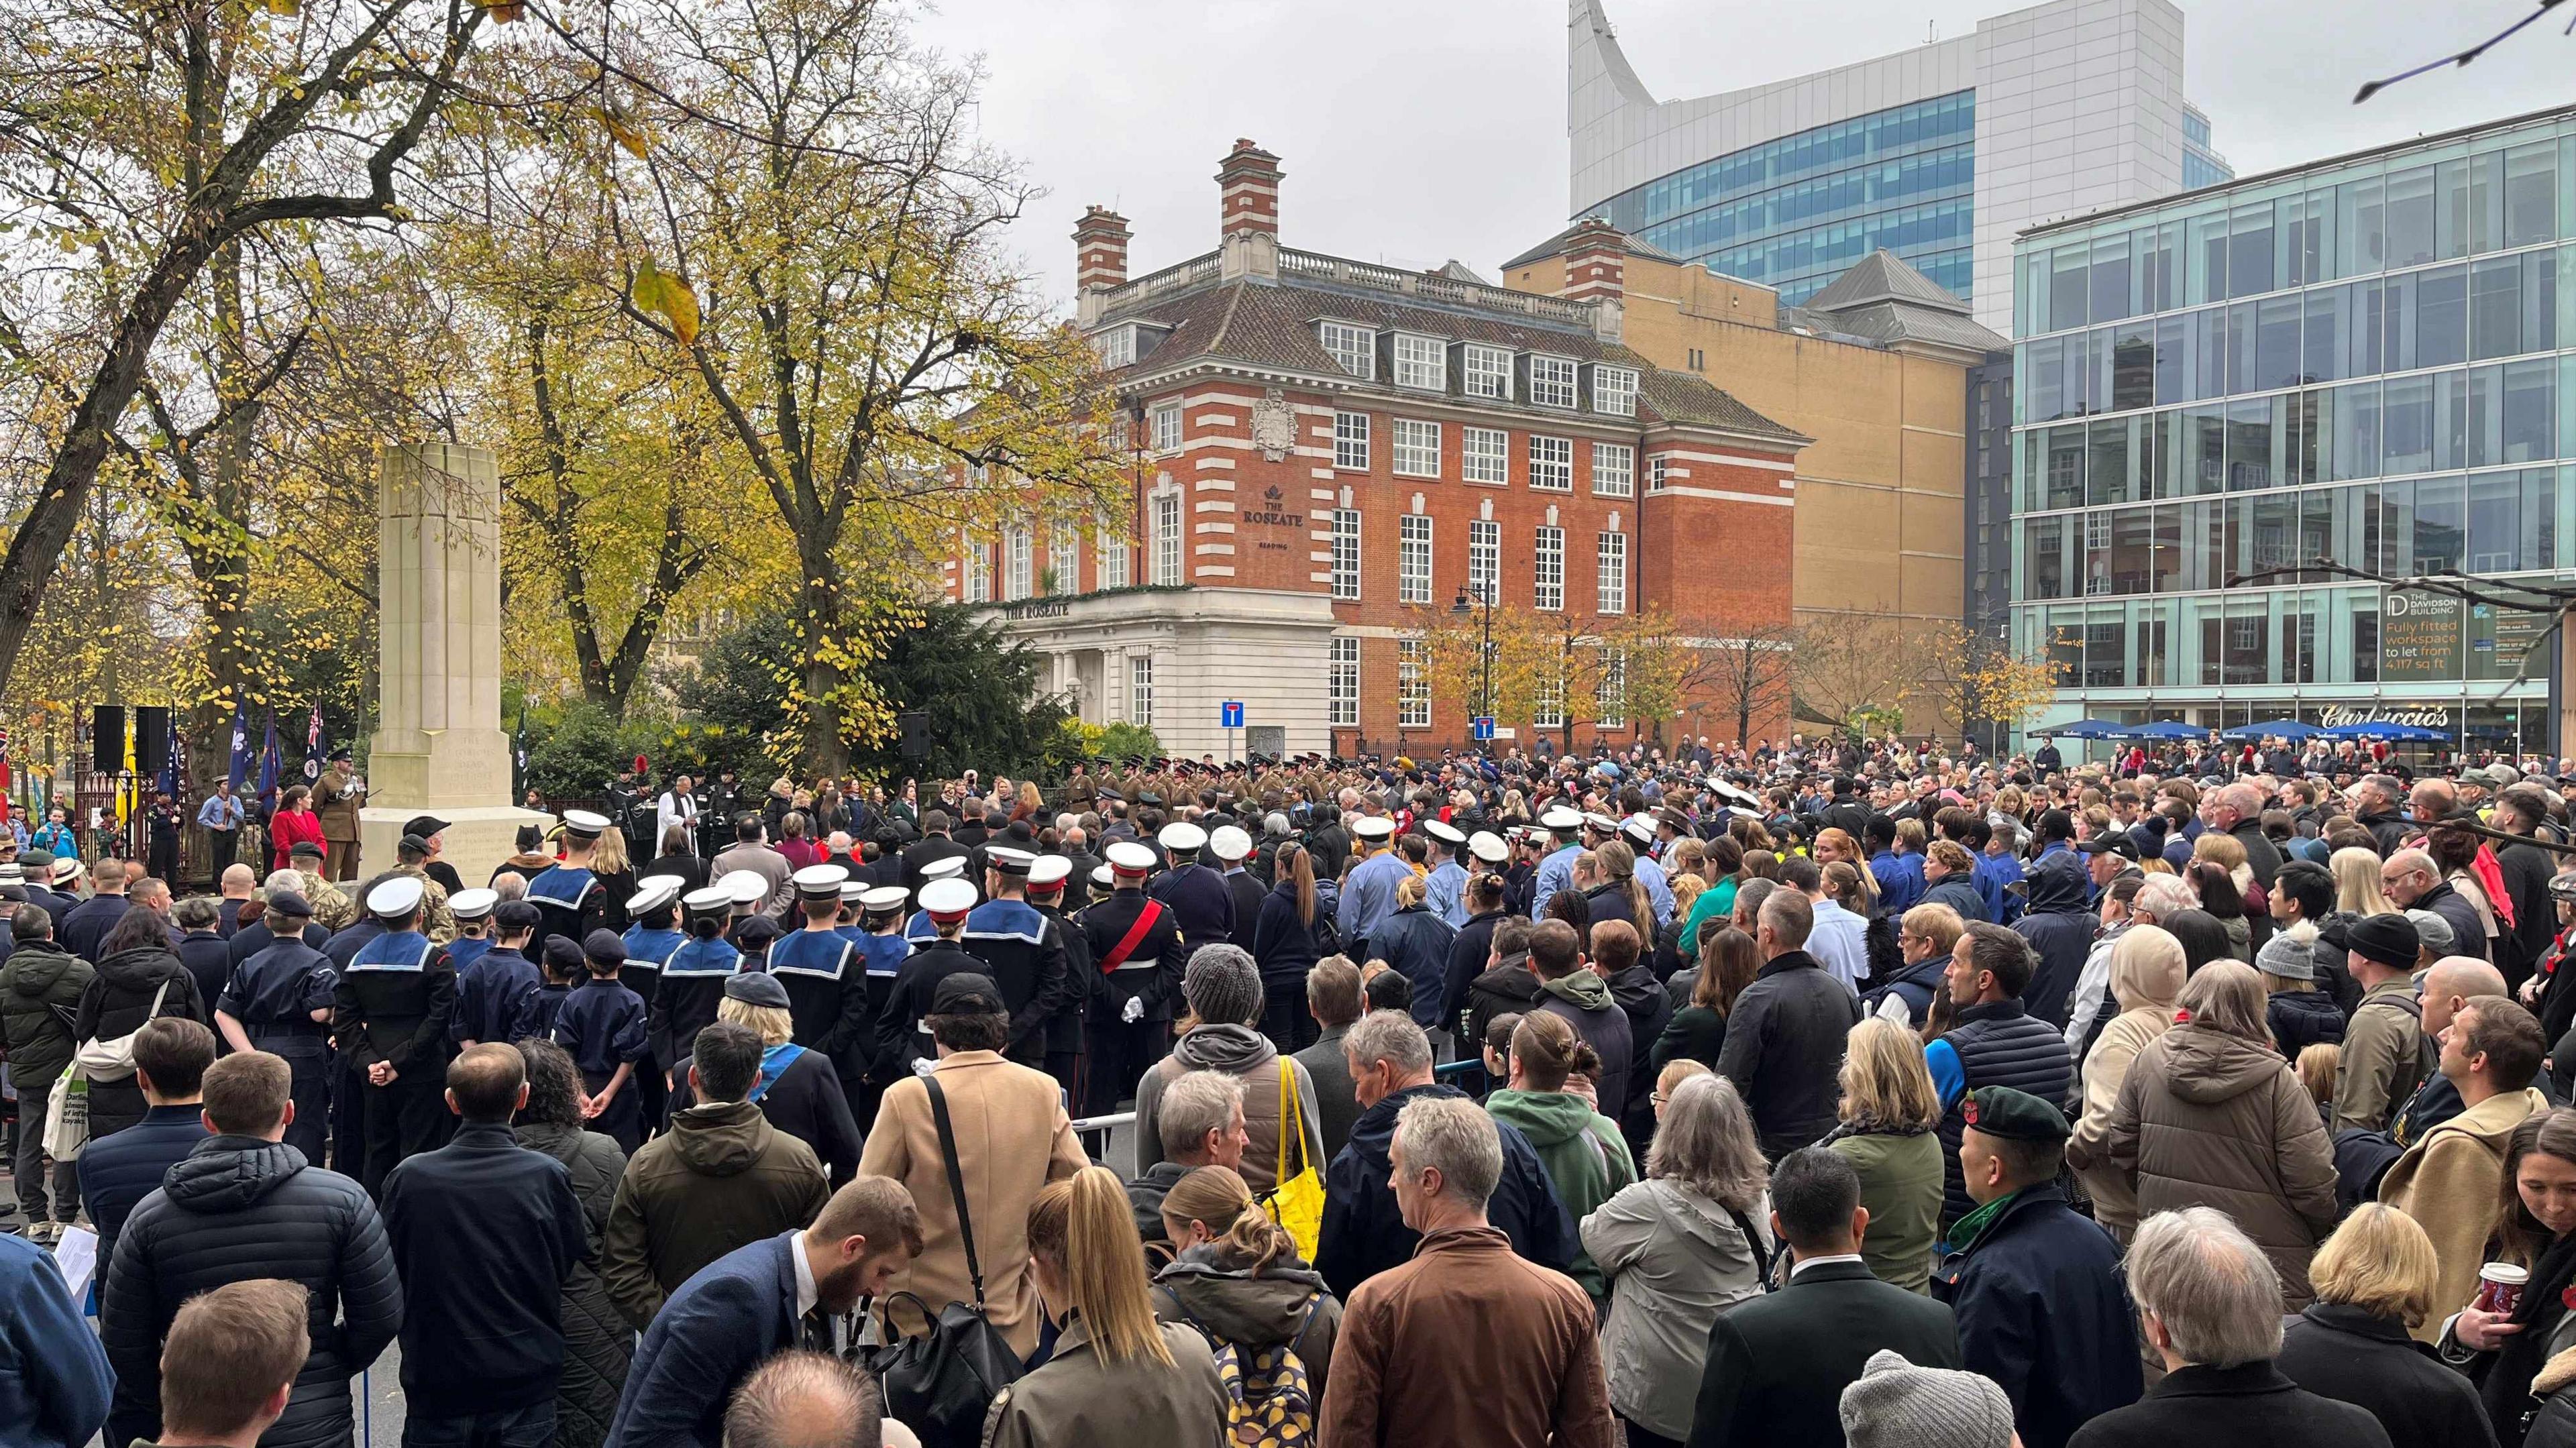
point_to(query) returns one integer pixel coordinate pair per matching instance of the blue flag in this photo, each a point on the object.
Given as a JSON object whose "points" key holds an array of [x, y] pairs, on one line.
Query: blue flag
{"points": [[268, 765], [168, 783], [240, 767]]}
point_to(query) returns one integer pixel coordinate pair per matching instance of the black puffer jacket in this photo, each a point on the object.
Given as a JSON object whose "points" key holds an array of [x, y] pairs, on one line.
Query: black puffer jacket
{"points": [[2059, 926], [241, 1207], [2303, 1018], [117, 1003], [597, 1342], [40, 988]]}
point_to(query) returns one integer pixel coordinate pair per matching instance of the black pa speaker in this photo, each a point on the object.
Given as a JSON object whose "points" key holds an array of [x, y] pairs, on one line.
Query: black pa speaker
{"points": [[914, 726], [151, 738], [107, 738]]}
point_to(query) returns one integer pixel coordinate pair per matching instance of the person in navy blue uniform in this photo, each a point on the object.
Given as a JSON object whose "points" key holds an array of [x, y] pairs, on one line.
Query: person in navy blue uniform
{"points": [[693, 978], [562, 965], [877, 930], [472, 910], [902, 1044], [918, 930], [2036, 1287], [1202, 904], [1022, 951], [279, 1001], [255, 937], [602, 1027], [651, 938], [825, 975], [1048, 875], [493, 992], [1139, 978], [569, 892], [389, 1014]]}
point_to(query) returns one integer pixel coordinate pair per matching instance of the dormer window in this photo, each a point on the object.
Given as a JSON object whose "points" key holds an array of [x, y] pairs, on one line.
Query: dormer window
{"points": [[1117, 346], [1614, 390], [1353, 349], [1421, 362], [1551, 380], [1487, 371]]}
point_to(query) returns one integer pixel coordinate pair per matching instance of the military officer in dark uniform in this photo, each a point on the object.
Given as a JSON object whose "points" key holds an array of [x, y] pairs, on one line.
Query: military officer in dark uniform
{"points": [[902, 1045], [389, 1012], [825, 975], [1022, 951], [1136, 950], [1202, 906], [1229, 844], [279, 1001], [1048, 877], [568, 892], [692, 985]]}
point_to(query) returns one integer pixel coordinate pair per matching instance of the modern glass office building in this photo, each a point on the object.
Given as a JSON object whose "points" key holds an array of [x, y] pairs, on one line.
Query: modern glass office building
{"points": [[2369, 361], [1939, 153]]}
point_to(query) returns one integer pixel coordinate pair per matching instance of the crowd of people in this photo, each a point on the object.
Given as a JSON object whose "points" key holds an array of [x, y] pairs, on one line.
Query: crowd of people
{"points": [[1813, 1094]]}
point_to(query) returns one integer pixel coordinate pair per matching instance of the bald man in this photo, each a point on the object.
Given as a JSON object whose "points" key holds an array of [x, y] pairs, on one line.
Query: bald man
{"points": [[810, 1400], [2448, 985]]}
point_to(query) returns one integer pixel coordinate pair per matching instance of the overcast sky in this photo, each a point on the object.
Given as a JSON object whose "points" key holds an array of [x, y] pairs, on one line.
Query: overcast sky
{"points": [[1412, 131]]}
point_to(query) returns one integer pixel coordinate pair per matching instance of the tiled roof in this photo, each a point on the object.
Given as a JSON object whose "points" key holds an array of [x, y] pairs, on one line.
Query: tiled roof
{"points": [[1883, 276], [1555, 245], [1266, 324], [1886, 302]]}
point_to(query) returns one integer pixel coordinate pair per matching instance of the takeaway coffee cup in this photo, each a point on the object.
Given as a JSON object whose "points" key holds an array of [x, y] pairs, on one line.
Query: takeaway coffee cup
{"points": [[2500, 1287]]}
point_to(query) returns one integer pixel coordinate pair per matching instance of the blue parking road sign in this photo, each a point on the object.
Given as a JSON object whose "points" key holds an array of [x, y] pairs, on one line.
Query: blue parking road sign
{"points": [[1232, 714]]}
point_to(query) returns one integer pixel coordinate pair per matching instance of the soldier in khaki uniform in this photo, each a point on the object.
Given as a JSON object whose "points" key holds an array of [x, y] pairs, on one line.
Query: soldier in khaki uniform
{"points": [[336, 798]]}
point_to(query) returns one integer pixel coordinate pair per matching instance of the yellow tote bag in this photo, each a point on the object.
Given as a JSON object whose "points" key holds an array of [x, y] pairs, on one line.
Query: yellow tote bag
{"points": [[1297, 1202]]}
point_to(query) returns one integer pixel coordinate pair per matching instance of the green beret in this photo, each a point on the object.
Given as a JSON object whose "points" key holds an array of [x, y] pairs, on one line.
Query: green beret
{"points": [[2017, 1115]]}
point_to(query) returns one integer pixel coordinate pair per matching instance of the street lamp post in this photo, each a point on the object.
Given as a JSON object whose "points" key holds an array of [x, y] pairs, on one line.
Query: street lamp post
{"points": [[1485, 652]]}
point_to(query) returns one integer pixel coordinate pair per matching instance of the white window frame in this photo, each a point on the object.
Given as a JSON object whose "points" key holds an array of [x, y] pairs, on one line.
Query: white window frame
{"points": [[1486, 371], [1484, 560], [1656, 469], [979, 570], [1140, 690], [1614, 390], [1167, 538], [1548, 712], [1551, 464], [1413, 558], [1553, 381], [1421, 362], [1166, 418], [1547, 570], [1610, 700], [1346, 553], [1485, 455], [1109, 557], [1064, 557], [1342, 681], [1412, 685], [1117, 347], [1612, 552], [1417, 448], [1347, 343], [1019, 572], [1351, 441], [1614, 470]]}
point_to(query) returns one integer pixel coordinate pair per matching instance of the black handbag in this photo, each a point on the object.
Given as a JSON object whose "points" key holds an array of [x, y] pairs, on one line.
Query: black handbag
{"points": [[941, 1384]]}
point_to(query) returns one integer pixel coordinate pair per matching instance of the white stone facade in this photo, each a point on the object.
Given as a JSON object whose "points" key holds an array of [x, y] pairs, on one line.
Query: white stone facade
{"points": [[2079, 106]]}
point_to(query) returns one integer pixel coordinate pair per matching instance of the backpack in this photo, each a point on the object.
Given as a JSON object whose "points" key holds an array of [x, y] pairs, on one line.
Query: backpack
{"points": [[1269, 1401]]}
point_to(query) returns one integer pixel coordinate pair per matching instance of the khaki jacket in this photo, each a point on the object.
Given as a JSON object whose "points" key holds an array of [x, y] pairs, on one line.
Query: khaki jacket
{"points": [[2115, 1206], [1012, 1139], [1081, 1400], [337, 804], [2450, 1183], [2383, 1058]]}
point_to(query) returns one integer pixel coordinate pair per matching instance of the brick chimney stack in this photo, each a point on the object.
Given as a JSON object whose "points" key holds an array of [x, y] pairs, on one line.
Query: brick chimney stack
{"points": [[1100, 249], [1248, 208], [1596, 263]]}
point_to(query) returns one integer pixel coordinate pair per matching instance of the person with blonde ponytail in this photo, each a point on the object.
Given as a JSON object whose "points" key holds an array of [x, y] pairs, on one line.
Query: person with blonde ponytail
{"points": [[1117, 1375], [1239, 1280]]}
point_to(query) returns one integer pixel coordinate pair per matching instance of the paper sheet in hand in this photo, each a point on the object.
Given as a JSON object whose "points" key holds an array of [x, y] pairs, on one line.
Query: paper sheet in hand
{"points": [[77, 1255]]}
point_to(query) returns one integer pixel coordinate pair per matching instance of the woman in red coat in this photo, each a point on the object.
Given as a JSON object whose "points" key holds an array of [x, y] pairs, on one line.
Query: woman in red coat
{"points": [[294, 823]]}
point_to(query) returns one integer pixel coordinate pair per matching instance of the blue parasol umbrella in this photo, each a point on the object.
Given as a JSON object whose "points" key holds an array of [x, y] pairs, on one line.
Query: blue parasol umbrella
{"points": [[2290, 729]]}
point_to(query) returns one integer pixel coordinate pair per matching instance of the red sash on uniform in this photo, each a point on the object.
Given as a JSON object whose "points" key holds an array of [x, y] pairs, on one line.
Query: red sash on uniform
{"points": [[1134, 937]]}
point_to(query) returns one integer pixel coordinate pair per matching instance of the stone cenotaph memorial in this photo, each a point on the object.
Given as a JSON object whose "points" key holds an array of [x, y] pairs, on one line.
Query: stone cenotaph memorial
{"points": [[438, 747]]}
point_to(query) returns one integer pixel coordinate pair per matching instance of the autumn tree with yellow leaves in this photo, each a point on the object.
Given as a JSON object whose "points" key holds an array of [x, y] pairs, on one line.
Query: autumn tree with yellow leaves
{"points": [[1616, 673]]}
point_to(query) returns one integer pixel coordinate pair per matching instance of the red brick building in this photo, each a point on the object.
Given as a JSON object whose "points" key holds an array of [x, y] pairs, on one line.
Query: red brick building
{"points": [[1326, 448]]}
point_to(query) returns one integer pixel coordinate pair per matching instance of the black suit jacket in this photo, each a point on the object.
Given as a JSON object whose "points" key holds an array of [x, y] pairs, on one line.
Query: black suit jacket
{"points": [[1778, 1364]]}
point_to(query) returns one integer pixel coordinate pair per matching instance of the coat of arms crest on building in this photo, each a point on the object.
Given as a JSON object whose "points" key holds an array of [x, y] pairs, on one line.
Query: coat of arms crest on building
{"points": [[1274, 426]]}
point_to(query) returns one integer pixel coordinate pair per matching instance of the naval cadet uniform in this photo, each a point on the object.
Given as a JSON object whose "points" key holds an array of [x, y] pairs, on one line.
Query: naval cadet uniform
{"points": [[392, 1004], [274, 994], [602, 1026]]}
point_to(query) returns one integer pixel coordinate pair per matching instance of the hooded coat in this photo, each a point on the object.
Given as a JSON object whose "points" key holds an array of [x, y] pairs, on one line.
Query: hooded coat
{"points": [[1233, 1303], [1244, 1052], [722, 1177], [2146, 977], [1585, 1157], [1584, 1000], [1674, 1259], [40, 988], [241, 1207], [2205, 1118], [117, 1001], [2059, 926], [1508, 989]]}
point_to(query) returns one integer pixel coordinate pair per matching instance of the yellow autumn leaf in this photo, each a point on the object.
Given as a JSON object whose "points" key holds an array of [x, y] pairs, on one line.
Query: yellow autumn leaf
{"points": [[622, 129], [667, 296], [283, 7]]}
